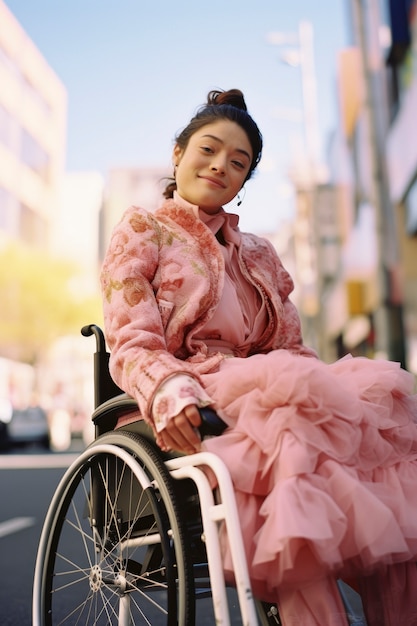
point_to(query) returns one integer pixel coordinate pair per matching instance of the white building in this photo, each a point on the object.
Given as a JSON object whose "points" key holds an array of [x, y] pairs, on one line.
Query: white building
{"points": [[33, 117]]}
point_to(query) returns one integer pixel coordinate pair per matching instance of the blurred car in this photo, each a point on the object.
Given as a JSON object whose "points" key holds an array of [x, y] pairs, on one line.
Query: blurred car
{"points": [[29, 426], [6, 412]]}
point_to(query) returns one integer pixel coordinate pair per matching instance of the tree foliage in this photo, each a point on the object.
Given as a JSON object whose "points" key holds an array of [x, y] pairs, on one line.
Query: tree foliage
{"points": [[41, 299]]}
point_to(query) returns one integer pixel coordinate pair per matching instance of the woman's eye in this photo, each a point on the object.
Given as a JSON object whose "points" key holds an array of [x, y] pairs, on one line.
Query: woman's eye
{"points": [[206, 149], [238, 164]]}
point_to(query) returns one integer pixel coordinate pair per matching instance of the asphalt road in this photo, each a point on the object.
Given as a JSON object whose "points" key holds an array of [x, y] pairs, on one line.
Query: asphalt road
{"points": [[26, 487], [27, 483]]}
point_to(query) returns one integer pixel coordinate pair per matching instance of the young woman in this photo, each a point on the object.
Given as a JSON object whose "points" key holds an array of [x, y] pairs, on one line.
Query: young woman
{"points": [[323, 457]]}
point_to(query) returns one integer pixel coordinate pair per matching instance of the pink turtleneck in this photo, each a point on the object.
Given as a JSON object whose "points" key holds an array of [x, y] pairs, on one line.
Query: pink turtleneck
{"points": [[240, 315]]}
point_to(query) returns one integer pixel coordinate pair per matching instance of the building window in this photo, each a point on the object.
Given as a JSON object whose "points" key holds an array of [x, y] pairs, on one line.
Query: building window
{"points": [[33, 155], [33, 228], [8, 129], [7, 62], [9, 212], [34, 97]]}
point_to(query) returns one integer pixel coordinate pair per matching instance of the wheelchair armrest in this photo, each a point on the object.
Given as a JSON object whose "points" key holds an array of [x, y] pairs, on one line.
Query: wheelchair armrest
{"points": [[106, 415]]}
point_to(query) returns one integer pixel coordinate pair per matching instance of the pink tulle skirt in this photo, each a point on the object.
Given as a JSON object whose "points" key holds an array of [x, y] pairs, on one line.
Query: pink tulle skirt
{"points": [[324, 462]]}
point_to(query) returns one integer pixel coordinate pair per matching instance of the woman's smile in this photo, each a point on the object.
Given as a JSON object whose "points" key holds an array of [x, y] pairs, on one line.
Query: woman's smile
{"points": [[213, 181]]}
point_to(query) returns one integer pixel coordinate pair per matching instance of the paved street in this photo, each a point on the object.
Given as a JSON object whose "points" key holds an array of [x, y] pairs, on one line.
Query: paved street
{"points": [[26, 486]]}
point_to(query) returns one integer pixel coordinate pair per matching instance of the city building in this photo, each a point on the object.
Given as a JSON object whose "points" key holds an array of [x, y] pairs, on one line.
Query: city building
{"points": [[75, 226], [369, 307], [141, 186], [402, 152], [351, 316], [43, 208], [355, 234], [33, 118]]}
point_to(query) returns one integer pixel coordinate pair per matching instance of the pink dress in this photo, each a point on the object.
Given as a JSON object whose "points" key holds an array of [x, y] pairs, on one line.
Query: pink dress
{"points": [[324, 462]]}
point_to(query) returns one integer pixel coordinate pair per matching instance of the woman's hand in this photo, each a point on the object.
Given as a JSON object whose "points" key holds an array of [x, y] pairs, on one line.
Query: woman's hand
{"points": [[180, 433]]}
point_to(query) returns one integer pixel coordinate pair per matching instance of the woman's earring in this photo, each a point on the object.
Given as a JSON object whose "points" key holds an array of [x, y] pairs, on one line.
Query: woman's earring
{"points": [[239, 200]]}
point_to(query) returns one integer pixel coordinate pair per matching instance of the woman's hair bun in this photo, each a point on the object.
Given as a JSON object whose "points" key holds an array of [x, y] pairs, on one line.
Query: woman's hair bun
{"points": [[233, 97]]}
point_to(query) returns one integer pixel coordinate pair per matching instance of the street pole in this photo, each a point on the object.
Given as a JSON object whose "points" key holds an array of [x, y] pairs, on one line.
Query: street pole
{"points": [[309, 89], [316, 332], [306, 176], [389, 328]]}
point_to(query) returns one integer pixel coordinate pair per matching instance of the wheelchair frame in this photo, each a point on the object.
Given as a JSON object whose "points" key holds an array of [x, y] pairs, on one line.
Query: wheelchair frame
{"points": [[131, 499], [117, 447]]}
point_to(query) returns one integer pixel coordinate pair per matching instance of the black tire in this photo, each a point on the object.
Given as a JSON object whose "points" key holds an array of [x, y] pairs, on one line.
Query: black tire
{"points": [[113, 548]]}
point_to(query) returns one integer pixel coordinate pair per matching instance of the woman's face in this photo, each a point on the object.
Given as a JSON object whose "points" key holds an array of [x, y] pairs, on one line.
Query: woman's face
{"points": [[213, 167]]}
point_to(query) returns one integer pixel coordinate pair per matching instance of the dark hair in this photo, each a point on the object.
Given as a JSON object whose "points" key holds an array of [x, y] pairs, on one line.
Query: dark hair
{"points": [[221, 105]]}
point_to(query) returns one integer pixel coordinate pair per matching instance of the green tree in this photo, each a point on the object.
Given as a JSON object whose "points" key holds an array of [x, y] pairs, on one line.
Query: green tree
{"points": [[41, 299]]}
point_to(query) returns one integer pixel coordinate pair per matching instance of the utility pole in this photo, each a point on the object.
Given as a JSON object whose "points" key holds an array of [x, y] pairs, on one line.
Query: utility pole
{"points": [[310, 104], [389, 327], [305, 175]]}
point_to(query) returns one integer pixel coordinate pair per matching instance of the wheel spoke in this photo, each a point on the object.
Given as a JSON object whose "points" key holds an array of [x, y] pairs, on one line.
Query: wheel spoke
{"points": [[112, 544]]}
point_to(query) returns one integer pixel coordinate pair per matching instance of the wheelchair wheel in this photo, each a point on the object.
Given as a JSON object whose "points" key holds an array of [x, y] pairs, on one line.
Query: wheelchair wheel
{"points": [[113, 549]]}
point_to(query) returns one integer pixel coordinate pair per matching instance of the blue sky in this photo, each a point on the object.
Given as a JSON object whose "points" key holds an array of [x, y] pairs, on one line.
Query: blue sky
{"points": [[136, 70]]}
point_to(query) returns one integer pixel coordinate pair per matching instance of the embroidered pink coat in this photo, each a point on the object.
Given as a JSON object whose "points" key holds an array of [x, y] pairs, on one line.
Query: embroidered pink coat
{"points": [[162, 279]]}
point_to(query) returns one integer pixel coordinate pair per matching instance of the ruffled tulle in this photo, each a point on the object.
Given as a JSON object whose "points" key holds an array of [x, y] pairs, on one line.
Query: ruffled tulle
{"points": [[324, 462]]}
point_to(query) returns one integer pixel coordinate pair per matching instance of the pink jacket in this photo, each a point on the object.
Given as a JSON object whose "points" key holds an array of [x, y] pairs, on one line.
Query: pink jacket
{"points": [[162, 279]]}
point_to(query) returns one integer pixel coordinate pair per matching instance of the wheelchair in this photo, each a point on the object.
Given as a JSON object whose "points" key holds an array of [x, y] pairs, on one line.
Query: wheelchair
{"points": [[131, 536]]}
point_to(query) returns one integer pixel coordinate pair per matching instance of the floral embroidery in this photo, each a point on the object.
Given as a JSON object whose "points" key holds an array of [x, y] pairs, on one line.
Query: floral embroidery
{"points": [[108, 287], [138, 223], [162, 410], [133, 291], [118, 244], [183, 392]]}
